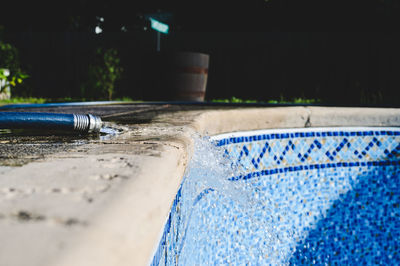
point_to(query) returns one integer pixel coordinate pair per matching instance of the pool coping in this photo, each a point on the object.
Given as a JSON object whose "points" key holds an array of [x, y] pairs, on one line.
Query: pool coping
{"points": [[120, 237]]}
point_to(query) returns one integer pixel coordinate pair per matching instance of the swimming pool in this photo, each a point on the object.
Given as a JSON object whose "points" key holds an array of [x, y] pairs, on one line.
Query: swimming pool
{"points": [[298, 196]]}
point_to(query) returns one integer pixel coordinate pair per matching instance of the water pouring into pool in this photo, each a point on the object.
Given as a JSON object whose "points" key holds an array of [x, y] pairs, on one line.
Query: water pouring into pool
{"points": [[288, 197]]}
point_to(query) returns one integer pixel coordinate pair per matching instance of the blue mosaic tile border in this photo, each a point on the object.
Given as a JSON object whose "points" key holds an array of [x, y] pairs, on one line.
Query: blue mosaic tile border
{"points": [[263, 154], [312, 167], [269, 136]]}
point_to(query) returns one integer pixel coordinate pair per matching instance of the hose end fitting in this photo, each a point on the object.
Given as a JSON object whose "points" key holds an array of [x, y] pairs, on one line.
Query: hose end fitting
{"points": [[87, 123], [95, 123]]}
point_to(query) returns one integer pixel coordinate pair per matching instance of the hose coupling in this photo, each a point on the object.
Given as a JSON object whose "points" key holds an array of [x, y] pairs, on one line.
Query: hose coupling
{"points": [[87, 123]]}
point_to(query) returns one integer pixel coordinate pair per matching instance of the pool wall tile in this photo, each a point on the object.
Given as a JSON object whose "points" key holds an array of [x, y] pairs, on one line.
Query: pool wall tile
{"points": [[333, 162]]}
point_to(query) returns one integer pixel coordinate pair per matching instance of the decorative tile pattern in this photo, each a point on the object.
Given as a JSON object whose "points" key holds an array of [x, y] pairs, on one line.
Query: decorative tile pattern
{"points": [[316, 149], [329, 196]]}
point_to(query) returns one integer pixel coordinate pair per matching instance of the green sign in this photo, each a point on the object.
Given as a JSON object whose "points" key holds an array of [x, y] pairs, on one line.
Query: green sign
{"points": [[158, 26]]}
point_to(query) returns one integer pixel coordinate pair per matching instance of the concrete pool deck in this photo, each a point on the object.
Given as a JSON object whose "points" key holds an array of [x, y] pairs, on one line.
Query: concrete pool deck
{"points": [[104, 201]]}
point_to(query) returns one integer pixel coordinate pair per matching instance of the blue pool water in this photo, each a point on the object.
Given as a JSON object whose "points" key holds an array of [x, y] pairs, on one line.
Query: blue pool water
{"points": [[288, 197]]}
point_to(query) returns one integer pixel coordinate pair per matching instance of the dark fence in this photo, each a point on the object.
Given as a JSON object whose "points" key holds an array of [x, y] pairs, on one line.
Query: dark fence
{"points": [[336, 67]]}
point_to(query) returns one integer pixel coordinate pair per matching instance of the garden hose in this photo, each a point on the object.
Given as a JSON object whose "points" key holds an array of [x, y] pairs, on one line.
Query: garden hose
{"points": [[82, 123]]}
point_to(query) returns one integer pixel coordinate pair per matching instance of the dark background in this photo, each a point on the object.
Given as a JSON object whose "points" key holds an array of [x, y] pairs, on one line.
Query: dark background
{"points": [[340, 52]]}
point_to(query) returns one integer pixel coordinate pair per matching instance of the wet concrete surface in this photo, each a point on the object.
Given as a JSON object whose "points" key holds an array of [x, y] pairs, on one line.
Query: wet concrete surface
{"points": [[125, 113], [17, 150], [18, 147]]}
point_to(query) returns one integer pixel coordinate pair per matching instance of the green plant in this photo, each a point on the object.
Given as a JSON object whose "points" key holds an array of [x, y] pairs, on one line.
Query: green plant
{"points": [[103, 73], [281, 100], [10, 69], [233, 100], [299, 100]]}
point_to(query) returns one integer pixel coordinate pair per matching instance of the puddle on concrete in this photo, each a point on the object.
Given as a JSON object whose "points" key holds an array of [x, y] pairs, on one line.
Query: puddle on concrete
{"points": [[108, 132]]}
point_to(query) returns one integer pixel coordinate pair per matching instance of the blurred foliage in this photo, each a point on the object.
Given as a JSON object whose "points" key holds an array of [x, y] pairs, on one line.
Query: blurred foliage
{"points": [[233, 100], [298, 100], [103, 73], [278, 58], [282, 100], [9, 60]]}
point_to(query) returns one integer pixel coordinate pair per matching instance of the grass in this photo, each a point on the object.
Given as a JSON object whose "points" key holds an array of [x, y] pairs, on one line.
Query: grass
{"points": [[233, 100], [34, 100], [280, 101], [19, 100], [296, 101]]}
